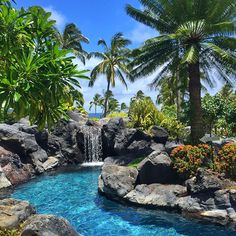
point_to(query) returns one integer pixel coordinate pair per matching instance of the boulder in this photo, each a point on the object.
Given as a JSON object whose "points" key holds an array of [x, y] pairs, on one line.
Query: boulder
{"points": [[156, 195], [122, 160], [156, 168], [205, 181], [24, 145], [47, 225], [117, 181], [51, 163], [109, 132], [125, 141], [14, 212], [159, 134], [4, 181], [15, 171]]}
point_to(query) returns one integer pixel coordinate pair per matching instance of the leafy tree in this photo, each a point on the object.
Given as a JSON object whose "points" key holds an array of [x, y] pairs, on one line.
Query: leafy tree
{"points": [[113, 63], [123, 107], [97, 101], [194, 34], [37, 78], [71, 38]]}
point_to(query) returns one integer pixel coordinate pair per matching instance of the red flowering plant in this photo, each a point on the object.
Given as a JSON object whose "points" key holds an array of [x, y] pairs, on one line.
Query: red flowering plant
{"points": [[225, 161], [187, 159]]}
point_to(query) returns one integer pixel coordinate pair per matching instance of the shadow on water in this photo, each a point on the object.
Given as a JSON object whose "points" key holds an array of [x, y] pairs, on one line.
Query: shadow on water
{"points": [[140, 216]]}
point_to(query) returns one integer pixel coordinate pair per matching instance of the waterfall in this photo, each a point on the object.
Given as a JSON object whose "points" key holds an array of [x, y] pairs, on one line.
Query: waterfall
{"points": [[92, 144]]}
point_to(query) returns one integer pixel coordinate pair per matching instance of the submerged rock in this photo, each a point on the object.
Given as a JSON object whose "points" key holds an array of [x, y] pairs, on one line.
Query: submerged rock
{"points": [[47, 225], [14, 212], [117, 181]]}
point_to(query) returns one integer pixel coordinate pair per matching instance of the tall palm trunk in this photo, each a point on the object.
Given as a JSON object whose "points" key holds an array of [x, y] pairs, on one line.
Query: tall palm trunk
{"points": [[178, 96], [106, 98], [196, 120]]}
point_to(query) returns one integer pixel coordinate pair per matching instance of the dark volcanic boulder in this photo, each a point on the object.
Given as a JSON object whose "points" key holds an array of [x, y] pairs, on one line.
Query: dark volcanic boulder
{"points": [[130, 141], [117, 181], [47, 225], [156, 168], [24, 145], [14, 212], [205, 181], [109, 132], [159, 134]]}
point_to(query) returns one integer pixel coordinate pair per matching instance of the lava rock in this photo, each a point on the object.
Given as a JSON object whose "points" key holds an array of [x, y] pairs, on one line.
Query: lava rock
{"points": [[51, 163], [156, 195], [24, 145], [4, 182], [109, 133], [14, 212], [117, 181], [205, 181], [159, 134], [156, 168], [47, 225]]}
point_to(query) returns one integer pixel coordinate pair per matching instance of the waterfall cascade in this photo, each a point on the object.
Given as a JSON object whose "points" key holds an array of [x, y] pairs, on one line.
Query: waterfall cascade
{"points": [[93, 144]]}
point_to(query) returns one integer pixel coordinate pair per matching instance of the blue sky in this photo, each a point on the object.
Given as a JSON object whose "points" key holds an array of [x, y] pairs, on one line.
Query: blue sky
{"points": [[100, 19]]}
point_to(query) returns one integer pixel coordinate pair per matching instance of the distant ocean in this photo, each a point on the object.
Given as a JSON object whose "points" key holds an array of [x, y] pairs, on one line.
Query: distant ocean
{"points": [[93, 115]]}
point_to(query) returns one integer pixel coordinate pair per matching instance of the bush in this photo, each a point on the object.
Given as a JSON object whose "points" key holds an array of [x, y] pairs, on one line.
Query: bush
{"points": [[187, 159], [118, 114], [225, 161], [175, 128], [143, 114]]}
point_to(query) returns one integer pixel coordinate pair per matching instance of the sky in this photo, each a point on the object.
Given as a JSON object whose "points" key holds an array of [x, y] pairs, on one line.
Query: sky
{"points": [[100, 19]]}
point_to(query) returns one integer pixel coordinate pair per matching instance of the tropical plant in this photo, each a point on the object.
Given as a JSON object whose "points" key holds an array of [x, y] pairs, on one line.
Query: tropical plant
{"points": [[37, 77], [113, 63], [187, 159], [97, 102], [196, 36], [123, 107], [143, 113], [225, 161], [71, 38]]}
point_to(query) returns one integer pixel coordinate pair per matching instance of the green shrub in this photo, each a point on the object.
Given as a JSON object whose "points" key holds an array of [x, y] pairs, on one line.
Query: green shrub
{"points": [[135, 163], [187, 159], [118, 114], [143, 114], [175, 128], [10, 232], [225, 161]]}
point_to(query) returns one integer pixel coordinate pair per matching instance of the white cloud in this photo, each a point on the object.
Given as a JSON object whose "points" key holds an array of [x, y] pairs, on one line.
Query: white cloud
{"points": [[141, 33], [119, 91], [57, 16]]}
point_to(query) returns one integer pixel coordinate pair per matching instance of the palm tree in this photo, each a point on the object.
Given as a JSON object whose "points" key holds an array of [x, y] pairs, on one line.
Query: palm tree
{"points": [[96, 102], [71, 38], [123, 107], [113, 63], [197, 34]]}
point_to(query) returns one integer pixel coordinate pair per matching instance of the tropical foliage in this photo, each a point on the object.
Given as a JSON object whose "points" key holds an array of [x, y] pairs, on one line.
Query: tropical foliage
{"points": [[187, 159], [143, 113], [196, 37], [114, 60], [38, 78], [226, 160], [71, 39]]}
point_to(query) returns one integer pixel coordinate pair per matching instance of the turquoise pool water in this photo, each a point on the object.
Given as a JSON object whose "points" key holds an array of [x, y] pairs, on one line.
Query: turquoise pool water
{"points": [[73, 195]]}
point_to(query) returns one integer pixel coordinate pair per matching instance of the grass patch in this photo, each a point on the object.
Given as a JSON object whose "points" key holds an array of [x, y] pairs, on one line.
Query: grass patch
{"points": [[135, 163]]}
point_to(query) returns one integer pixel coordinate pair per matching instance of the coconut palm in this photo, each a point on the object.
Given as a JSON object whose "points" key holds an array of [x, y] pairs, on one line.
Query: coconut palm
{"points": [[71, 38], [97, 99], [114, 60], [196, 34]]}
